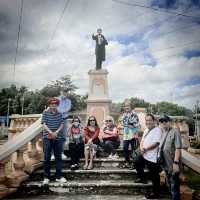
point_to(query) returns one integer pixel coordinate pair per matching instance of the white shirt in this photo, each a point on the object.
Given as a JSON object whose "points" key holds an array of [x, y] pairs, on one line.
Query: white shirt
{"points": [[149, 138]]}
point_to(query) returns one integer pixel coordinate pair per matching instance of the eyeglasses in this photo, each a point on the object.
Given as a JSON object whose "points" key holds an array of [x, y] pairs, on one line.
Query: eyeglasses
{"points": [[109, 120], [163, 121]]}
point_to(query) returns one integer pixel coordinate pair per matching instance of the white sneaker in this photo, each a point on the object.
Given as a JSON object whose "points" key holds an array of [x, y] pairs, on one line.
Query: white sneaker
{"points": [[63, 156], [110, 156], [45, 181], [115, 156], [52, 157], [61, 180]]}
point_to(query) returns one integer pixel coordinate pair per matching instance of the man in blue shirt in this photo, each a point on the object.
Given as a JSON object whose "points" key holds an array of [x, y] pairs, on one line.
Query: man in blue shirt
{"points": [[64, 107]]}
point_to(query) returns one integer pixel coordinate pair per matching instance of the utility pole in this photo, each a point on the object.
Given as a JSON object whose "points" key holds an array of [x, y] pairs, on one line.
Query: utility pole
{"points": [[8, 112], [22, 102]]}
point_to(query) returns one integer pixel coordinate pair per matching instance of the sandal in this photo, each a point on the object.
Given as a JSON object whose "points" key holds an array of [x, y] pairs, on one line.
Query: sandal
{"points": [[85, 167], [90, 167]]}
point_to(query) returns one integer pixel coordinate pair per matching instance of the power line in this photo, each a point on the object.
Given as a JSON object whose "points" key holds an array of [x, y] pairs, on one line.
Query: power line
{"points": [[155, 9], [174, 47], [18, 37], [57, 24]]}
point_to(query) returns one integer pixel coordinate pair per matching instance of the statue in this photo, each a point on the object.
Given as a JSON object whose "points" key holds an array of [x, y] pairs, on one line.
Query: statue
{"points": [[100, 48]]}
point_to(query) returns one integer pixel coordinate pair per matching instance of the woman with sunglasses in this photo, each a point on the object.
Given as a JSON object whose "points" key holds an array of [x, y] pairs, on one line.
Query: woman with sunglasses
{"points": [[76, 144], [91, 134], [110, 138]]}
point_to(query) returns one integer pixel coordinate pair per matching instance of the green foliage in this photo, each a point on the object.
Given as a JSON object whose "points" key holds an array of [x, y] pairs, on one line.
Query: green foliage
{"points": [[34, 102], [170, 109], [195, 144], [53, 88]]}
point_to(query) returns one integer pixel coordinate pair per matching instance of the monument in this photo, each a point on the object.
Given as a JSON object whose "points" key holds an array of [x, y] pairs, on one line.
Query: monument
{"points": [[98, 103]]}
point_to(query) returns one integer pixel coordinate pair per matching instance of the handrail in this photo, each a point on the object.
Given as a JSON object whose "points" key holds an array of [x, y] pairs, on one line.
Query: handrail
{"points": [[20, 140], [191, 161]]}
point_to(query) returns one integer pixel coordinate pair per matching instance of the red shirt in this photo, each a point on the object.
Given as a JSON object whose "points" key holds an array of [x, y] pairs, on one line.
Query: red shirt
{"points": [[88, 134]]}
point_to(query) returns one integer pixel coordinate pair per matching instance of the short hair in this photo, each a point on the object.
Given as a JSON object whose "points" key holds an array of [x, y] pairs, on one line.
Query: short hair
{"points": [[99, 29], [151, 115], [109, 118]]}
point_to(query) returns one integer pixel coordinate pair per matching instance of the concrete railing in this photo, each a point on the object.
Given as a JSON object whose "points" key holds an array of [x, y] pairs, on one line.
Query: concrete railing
{"points": [[21, 154], [191, 161]]}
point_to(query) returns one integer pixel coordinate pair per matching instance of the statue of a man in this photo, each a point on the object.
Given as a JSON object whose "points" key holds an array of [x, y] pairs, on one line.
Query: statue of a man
{"points": [[100, 48]]}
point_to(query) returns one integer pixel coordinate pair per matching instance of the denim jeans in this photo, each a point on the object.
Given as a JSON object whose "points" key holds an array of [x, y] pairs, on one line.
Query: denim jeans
{"points": [[174, 185], [111, 146], [126, 144], [57, 147]]}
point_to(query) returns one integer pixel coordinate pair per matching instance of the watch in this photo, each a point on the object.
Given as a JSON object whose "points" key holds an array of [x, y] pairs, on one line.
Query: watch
{"points": [[176, 162]]}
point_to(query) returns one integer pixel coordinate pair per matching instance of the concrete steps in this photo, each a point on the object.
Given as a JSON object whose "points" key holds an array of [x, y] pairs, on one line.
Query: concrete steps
{"points": [[94, 174], [85, 197], [105, 187], [105, 178], [98, 162]]}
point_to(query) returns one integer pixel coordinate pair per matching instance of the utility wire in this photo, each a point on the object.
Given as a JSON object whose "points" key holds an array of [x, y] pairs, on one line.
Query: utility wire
{"points": [[57, 24], [18, 38], [155, 9]]}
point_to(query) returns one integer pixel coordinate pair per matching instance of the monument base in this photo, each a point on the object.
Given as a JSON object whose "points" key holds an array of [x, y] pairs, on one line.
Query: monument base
{"points": [[98, 103], [99, 109]]}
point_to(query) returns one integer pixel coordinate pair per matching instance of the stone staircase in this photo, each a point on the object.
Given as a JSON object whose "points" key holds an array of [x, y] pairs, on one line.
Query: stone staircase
{"points": [[106, 178]]}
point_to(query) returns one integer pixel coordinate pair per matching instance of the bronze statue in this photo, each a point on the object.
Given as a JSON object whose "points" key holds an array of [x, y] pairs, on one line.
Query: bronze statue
{"points": [[100, 48]]}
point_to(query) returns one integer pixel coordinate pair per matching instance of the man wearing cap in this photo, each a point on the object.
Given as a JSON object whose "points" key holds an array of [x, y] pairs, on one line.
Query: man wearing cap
{"points": [[100, 48], [170, 150], [53, 139]]}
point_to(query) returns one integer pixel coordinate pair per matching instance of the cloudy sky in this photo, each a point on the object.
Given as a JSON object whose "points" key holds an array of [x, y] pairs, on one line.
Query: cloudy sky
{"points": [[152, 54]]}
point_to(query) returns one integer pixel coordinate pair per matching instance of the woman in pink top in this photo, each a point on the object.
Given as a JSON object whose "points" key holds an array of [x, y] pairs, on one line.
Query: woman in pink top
{"points": [[110, 138]]}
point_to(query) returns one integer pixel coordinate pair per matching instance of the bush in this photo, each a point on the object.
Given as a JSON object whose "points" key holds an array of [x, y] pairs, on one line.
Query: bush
{"points": [[195, 144]]}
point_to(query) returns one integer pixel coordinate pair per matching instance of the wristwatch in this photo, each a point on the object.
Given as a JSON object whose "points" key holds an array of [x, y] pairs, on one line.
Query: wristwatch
{"points": [[176, 162]]}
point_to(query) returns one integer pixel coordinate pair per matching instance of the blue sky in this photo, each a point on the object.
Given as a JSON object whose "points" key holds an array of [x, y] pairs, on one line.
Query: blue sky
{"points": [[149, 51]]}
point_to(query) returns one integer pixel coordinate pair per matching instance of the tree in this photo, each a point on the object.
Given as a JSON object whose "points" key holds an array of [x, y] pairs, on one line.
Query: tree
{"points": [[53, 88], [170, 109]]}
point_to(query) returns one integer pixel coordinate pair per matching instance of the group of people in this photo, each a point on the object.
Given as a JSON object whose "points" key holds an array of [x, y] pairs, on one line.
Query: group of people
{"points": [[159, 147]]}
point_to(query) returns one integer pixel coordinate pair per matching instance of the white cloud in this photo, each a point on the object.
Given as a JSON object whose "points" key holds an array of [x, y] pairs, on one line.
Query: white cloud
{"points": [[71, 50]]}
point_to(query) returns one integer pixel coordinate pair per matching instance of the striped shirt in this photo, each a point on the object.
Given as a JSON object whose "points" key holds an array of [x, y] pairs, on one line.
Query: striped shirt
{"points": [[53, 122]]}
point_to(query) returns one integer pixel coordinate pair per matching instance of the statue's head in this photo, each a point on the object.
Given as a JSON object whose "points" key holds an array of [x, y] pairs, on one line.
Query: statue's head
{"points": [[99, 30]]}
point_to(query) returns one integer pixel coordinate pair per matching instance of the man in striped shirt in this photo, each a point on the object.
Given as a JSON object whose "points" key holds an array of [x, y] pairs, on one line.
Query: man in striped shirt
{"points": [[53, 138]]}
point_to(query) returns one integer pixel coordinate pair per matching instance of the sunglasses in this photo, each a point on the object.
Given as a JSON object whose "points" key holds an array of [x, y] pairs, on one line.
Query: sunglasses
{"points": [[91, 120], [76, 121], [163, 121], [109, 120]]}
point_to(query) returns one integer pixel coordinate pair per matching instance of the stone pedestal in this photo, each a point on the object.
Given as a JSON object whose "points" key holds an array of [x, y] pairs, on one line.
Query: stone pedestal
{"points": [[98, 103]]}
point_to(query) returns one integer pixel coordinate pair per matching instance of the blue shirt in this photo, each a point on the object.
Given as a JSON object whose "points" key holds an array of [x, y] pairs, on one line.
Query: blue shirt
{"points": [[53, 122], [64, 105]]}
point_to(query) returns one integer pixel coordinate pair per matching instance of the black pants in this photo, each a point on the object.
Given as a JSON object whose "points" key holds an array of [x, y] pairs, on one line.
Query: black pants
{"points": [[98, 63], [126, 144], [153, 171], [75, 152]]}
